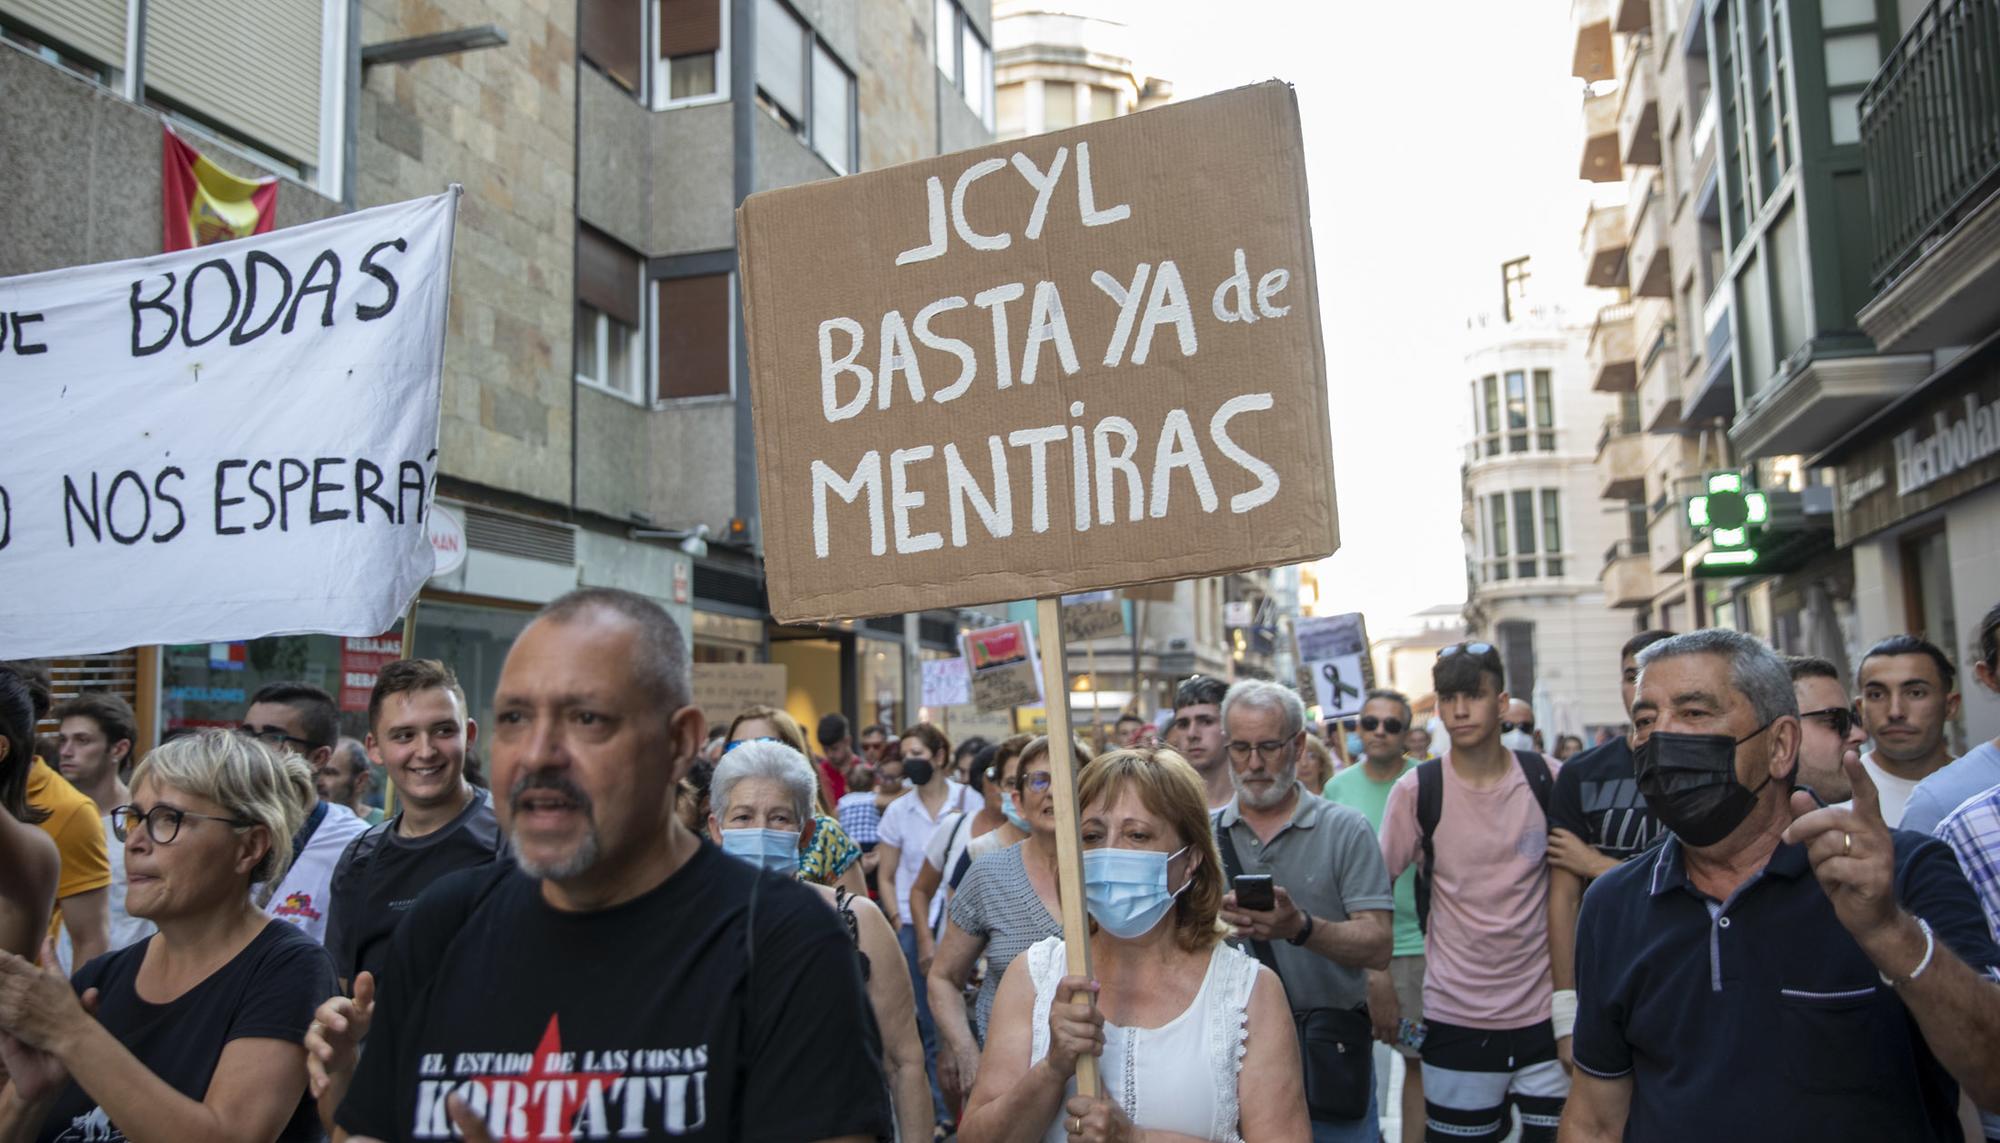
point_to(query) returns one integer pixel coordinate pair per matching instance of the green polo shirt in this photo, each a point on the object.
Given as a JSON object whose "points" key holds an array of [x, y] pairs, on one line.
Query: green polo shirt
{"points": [[1353, 788]]}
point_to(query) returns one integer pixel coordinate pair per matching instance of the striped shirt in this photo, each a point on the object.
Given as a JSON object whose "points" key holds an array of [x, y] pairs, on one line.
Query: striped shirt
{"points": [[1973, 833], [996, 903]]}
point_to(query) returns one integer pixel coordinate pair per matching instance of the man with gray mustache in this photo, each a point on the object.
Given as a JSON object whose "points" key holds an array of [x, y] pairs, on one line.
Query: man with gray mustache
{"points": [[622, 978]]}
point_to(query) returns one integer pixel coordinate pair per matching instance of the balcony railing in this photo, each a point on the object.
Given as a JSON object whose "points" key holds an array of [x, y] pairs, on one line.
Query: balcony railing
{"points": [[1930, 129], [1629, 546]]}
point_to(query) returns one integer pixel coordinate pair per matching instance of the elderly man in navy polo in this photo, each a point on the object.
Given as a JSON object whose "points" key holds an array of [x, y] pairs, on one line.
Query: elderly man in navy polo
{"points": [[1721, 993]]}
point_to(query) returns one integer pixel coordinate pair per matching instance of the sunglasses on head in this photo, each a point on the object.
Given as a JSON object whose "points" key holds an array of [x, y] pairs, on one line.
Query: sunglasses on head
{"points": [[1393, 725], [1839, 719], [1466, 648]]}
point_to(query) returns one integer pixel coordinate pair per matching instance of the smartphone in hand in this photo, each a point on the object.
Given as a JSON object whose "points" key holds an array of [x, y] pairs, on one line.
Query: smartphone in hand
{"points": [[1255, 893], [1410, 1033]]}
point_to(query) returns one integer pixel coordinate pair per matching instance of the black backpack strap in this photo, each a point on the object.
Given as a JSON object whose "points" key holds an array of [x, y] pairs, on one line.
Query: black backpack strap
{"points": [[1430, 807], [1535, 768], [1232, 868]]}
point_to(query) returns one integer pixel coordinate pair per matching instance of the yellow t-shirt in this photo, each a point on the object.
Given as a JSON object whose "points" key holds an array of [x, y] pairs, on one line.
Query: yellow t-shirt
{"points": [[78, 830]]}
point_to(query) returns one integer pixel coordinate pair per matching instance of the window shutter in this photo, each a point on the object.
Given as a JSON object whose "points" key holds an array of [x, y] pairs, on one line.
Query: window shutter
{"points": [[250, 65], [611, 37], [95, 28], [607, 276], [694, 336], [690, 28], [116, 673]]}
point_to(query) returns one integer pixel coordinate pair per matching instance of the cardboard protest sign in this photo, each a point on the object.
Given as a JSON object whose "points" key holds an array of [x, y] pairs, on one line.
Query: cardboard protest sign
{"points": [[723, 690], [945, 682], [1082, 360], [227, 442], [1092, 615], [1334, 651], [1005, 672]]}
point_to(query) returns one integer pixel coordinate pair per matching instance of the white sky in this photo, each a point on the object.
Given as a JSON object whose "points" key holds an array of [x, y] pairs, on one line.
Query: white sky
{"points": [[1442, 139]]}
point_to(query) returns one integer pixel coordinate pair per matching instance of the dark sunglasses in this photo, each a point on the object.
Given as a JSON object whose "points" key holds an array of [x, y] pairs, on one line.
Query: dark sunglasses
{"points": [[1839, 719], [1528, 726], [272, 736], [1393, 725], [1467, 648]]}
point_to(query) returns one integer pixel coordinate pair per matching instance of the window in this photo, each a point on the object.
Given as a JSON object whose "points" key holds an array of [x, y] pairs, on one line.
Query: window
{"points": [[1517, 411], [963, 57], [1514, 277], [1552, 532], [1058, 105], [607, 315], [696, 332], [832, 111], [1524, 533], [1103, 104], [1851, 60], [781, 60], [1545, 411], [1010, 110], [1496, 518], [1492, 414], [692, 65], [611, 35], [1516, 638]]}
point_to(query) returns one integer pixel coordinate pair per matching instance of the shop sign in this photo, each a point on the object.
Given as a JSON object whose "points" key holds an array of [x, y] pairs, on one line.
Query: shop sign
{"points": [[360, 660], [447, 534], [1925, 452], [1084, 360]]}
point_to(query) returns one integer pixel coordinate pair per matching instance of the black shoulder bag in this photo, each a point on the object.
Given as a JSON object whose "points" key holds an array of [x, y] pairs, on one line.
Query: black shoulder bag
{"points": [[1336, 1045]]}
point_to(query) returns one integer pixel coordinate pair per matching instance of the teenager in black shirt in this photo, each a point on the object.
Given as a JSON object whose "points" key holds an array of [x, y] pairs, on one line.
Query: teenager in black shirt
{"points": [[627, 981], [419, 730], [197, 1028]]}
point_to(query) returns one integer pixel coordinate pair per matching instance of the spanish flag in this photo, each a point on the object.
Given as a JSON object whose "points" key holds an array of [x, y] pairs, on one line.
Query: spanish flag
{"points": [[201, 203]]}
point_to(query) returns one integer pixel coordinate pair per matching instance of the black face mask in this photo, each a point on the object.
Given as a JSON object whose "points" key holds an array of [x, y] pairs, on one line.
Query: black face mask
{"points": [[1689, 781], [918, 771]]}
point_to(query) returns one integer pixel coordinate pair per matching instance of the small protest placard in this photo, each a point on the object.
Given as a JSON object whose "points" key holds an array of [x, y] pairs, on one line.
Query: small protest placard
{"points": [[227, 442], [1095, 355], [1334, 652], [1092, 615], [723, 690], [945, 682], [1004, 670]]}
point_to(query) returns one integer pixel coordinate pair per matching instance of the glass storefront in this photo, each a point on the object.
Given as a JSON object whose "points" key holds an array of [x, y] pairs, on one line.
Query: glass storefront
{"points": [[210, 684], [473, 641]]}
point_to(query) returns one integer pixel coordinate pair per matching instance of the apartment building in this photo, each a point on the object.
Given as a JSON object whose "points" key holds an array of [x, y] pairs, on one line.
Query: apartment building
{"points": [[595, 425], [1535, 522]]}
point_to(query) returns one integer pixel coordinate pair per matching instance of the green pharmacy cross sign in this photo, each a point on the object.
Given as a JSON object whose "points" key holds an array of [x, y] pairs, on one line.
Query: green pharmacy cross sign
{"points": [[1734, 517]]}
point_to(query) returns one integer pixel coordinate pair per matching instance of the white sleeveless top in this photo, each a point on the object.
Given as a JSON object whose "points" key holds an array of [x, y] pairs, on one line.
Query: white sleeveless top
{"points": [[1178, 1077]]}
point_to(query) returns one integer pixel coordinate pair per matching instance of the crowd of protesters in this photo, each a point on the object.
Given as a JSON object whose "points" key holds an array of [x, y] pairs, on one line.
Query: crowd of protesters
{"points": [[1767, 911]]}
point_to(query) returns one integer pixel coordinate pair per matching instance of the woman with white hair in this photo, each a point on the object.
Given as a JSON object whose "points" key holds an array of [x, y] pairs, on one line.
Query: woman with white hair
{"points": [[193, 1033], [761, 810]]}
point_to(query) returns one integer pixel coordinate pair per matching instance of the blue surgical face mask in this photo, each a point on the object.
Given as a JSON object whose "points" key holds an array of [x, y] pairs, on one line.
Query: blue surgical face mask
{"points": [[774, 849], [1013, 811], [1354, 746], [1126, 889]]}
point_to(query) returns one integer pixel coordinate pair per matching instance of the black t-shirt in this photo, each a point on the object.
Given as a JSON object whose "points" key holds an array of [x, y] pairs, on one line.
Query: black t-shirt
{"points": [[1597, 798], [381, 874], [267, 991], [656, 1019]]}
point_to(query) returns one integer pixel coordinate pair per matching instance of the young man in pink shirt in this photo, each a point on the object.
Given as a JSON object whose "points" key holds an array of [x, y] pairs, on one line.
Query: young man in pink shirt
{"points": [[1490, 1041]]}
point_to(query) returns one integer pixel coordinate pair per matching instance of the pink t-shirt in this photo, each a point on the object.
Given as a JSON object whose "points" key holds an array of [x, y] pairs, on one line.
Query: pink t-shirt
{"points": [[1486, 959]]}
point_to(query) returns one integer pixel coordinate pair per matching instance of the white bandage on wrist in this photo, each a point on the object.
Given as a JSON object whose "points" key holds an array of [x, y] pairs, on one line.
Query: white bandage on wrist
{"points": [[1562, 1012]]}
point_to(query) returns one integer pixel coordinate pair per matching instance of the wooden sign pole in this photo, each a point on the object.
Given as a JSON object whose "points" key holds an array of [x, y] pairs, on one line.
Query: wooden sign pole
{"points": [[1069, 834]]}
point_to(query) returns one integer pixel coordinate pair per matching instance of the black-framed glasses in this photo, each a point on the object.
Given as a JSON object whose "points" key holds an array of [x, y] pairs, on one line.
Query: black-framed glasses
{"points": [[1466, 648], [1839, 719], [163, 823], [1528, 726], [272, 736], [1037, 782], [1393, 725], [1270, 751]]}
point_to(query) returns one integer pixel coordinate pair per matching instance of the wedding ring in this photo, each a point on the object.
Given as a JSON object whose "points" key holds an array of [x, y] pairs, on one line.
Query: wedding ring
{"points": [[1846, 843], [1076, 1125]]}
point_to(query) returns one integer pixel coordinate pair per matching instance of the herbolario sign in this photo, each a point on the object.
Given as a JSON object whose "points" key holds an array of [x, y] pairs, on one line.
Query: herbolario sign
{"points": [[1073, 362]]}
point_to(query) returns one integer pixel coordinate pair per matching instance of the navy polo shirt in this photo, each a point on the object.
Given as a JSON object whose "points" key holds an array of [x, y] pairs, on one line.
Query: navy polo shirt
{"points": [[1759, 1017]]}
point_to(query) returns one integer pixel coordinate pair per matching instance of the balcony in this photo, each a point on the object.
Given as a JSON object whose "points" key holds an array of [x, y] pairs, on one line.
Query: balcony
{"points": [[1609, 356], [1660, 382], [1621, 460], [1639, 107], [1603, 246], [1591, 60], [1628, 574], [1649, 264], [1930, 141], [1632, 16], [1600, 139], [1668, 534]]}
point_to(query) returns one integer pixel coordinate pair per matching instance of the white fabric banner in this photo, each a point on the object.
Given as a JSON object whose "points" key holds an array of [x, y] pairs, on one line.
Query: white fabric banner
{"points": [[223, 443]]}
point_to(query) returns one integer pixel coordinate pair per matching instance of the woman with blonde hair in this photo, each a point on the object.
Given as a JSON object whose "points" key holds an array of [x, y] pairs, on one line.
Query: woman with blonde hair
{"points": [[834, 859], [1194, 1039], [194, 1032]]}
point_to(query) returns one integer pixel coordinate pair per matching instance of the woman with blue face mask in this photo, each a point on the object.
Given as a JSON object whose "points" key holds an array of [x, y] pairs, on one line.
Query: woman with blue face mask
{"points": [[1193, 1037], [761, 811]]}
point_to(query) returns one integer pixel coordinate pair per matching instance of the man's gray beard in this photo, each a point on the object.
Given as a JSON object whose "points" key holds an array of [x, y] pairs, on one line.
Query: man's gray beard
{"points": [[576, 865], [1281, 788]]}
